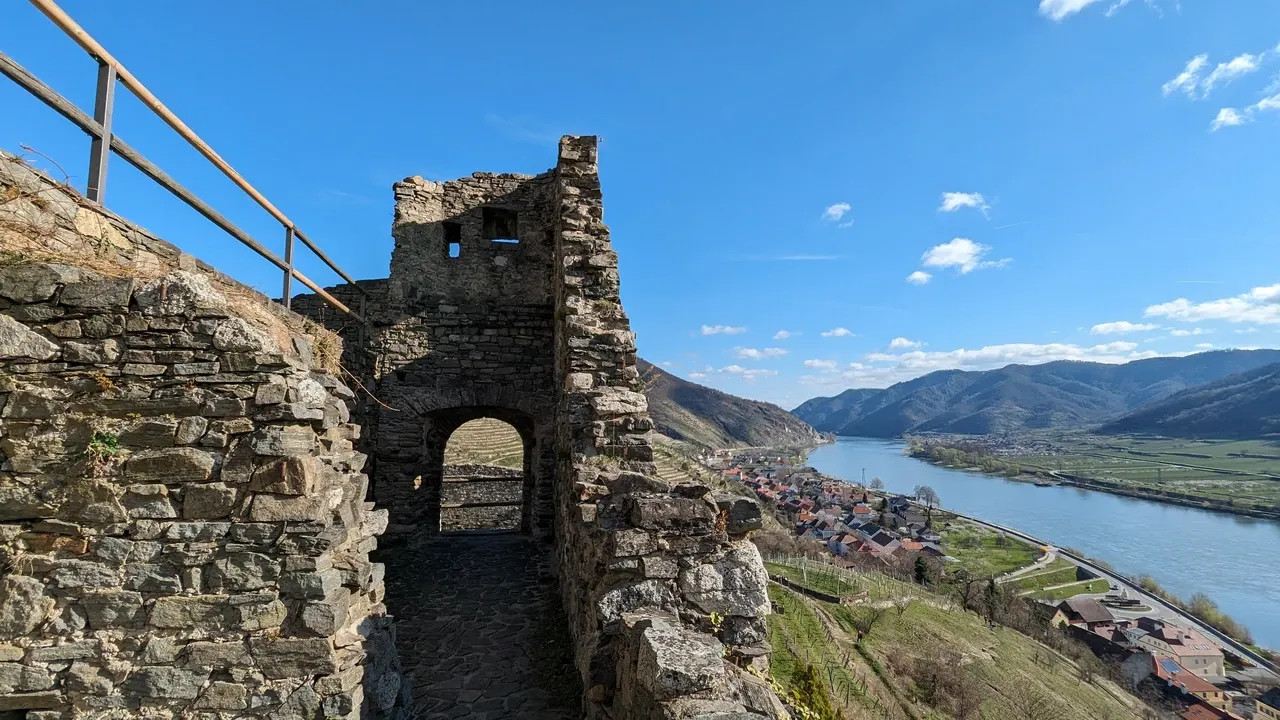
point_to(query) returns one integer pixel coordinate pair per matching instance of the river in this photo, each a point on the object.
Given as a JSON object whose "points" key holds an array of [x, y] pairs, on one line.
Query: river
{"points": [[1233, 559]]}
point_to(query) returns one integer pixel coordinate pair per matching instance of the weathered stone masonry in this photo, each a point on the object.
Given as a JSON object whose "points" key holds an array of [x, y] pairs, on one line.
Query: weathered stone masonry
{"points": [[666, 596], [183, 523]]}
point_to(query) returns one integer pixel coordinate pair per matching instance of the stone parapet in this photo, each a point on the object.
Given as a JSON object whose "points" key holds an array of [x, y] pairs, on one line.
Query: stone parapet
{"points": [[183, 523]]}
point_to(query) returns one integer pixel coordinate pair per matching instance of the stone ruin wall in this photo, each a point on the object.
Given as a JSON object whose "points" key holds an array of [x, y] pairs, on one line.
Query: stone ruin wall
{"points": [[455, 339], [642, 564], [183, 523]]}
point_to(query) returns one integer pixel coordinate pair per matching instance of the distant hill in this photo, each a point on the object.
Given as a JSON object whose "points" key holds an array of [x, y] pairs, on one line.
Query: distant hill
{"points": [[1018, 397], [694, 413], [1241, 406]]}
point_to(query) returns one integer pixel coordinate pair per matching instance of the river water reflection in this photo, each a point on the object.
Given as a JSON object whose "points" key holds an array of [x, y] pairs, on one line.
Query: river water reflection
{"points": [[1234, 559]]}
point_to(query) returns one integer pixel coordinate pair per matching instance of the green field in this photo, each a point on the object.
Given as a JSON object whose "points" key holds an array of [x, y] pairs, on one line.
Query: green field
{"points": [[1246, 472], [985, 552], [1058, 594]]}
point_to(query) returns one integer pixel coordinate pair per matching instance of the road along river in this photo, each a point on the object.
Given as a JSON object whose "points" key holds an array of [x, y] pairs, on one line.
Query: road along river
{"points": [[1233, 559]]}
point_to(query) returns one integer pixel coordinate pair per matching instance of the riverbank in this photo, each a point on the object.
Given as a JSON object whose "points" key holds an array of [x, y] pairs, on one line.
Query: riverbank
{"points": [[969, 460], [1186, 549]]}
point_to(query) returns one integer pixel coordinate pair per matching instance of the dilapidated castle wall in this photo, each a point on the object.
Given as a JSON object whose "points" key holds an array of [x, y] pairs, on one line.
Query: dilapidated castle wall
{"points": [[184, 530], [666, 597]]}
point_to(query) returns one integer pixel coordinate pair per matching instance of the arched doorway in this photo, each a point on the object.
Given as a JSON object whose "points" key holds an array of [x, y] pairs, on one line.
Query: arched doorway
{"points": [[486, 462], [482, 469]]}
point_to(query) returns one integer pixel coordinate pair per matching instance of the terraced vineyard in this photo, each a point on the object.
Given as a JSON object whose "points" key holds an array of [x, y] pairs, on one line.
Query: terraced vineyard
{"points": [[485, 441]]}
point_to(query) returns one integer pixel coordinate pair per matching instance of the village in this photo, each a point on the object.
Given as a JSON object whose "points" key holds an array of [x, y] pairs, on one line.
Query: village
{"points": [[862, 527]]}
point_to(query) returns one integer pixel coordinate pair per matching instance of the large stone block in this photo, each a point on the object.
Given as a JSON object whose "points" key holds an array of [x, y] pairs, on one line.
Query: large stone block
{"points": [[293, 657], [294, 475], [207, 501], [165, 682], [169, 465], [672, 515], [736, 584], [181, 293], [279, 440], [16, 341], [672, 661]]}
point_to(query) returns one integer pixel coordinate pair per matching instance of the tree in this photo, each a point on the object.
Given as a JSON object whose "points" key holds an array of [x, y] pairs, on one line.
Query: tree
{"points": [[877, 483], [926, 495], [1029, 704], [813, 694], [924, 574]]}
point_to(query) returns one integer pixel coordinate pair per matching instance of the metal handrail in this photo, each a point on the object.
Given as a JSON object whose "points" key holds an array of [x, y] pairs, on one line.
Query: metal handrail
{"points": [[105, 141]]}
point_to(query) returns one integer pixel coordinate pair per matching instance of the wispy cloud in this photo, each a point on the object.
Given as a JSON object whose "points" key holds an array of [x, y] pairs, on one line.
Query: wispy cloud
{"points": [[1189, 79], [1122, 327], [1259, 306], [962, 254], [1204, 346], [823, 365], [919, 277], [784, 334], [1229, 117], [1230, 70], [1189, 333], [1002, 227], [836, 213], [838, 332], [748, 374], [1059, 10], [723, 329], [901, 343], [758, 354], [1199, 282], [786, 258], [522, 129], [953, 201]]}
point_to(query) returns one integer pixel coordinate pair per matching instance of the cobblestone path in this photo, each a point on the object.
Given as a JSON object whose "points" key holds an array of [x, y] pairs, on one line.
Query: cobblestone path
{"points": [[480, 629]]}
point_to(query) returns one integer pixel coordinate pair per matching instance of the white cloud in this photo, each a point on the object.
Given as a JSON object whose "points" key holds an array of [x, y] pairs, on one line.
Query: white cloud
{"points": [[824, 365], [1204, 346], [1188, 79], [744, 373], [755, 354], [1230, 70], [1229, 117], [1191, 332], [838, 332], [962, 254], [919, 277], [1246, 331], [1259, 306], [697, 376], [952, 201], [901, 343], [783, 334], [836, 212], [723, 329], [1122, 327], [668, 363], [1058, 10]]}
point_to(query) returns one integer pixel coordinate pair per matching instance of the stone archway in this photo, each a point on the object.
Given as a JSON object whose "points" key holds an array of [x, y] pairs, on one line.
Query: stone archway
{"points": [[470, 498]]}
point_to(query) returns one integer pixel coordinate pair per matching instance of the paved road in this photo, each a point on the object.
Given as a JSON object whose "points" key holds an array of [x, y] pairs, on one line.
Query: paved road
{"points": [[480, 629], [1160, 608]]}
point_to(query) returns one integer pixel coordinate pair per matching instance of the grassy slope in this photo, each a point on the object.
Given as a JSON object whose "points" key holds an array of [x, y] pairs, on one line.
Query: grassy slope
{"points": [[485, 442], [1005, 661]]}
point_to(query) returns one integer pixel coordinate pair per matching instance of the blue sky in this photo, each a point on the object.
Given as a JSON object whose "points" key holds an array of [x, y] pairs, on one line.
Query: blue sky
{"points": [[1084, 179]]}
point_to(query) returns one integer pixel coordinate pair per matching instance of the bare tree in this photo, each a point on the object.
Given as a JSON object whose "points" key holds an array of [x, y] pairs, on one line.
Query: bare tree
{"points": [[929, 497], [877, 483], [1030, 704]]}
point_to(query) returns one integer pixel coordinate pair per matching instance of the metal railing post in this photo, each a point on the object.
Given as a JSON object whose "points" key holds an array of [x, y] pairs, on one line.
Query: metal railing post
{"points": [[100, 150], [288, 260]]}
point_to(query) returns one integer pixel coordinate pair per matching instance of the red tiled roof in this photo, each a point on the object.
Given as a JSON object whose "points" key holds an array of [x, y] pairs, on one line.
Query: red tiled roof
{"points": [[1182, 679], [1202, 711]]}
